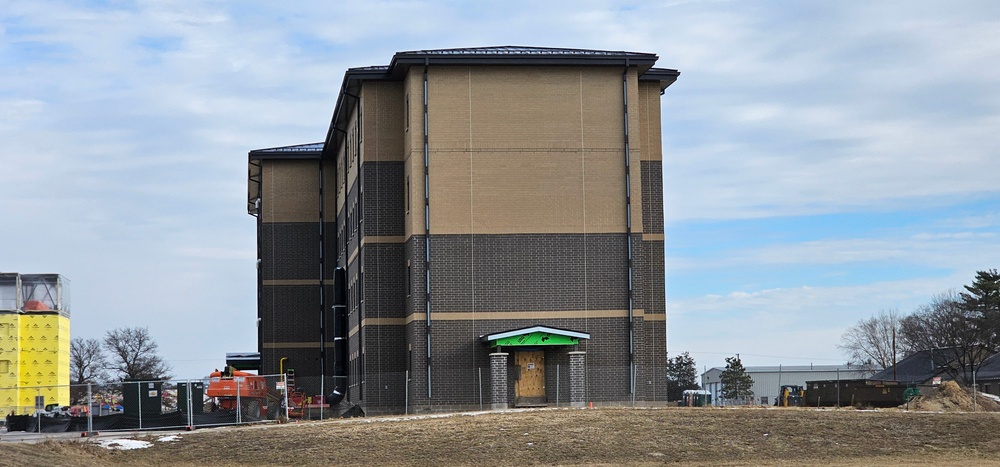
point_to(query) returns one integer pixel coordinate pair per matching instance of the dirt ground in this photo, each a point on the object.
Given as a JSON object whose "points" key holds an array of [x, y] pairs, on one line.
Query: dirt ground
{"points": [[605, 436]]}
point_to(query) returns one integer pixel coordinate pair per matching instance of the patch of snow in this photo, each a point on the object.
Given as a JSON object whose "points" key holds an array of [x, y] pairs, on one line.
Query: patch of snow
{"points": [[123, 444], [168, 438], [990, 396]]}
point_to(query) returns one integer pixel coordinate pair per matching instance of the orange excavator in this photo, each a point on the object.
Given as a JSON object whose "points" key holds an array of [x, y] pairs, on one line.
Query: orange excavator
{"points": [[232, 388]]}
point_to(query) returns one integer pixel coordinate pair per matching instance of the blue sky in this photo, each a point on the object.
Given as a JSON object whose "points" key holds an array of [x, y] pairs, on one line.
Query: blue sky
{"points": [[822, 160]]}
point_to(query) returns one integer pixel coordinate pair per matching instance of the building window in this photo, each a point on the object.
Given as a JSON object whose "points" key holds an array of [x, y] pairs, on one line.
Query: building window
{"points": [[407, 112], [406, 194]]}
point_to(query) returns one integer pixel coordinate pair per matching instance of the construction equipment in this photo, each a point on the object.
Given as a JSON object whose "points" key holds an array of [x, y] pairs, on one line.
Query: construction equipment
{"points": [[232, 389], [791, 396]]}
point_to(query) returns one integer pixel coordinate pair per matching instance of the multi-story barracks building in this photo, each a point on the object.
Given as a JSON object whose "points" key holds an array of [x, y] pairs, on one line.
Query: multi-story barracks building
{"points": [[499, 214]]}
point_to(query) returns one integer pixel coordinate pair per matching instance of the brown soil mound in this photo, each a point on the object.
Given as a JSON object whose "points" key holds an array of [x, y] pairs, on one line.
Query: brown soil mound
{"points": [[950, 397]]}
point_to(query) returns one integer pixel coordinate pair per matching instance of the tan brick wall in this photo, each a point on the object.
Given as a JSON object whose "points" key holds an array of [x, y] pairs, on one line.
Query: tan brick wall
{"points": [[383, 120], [350, 149], [525, 107], [329, 193], [413, 157], [289, 191], [527, 149], [649, 121], [527, 192], [341, 193]]}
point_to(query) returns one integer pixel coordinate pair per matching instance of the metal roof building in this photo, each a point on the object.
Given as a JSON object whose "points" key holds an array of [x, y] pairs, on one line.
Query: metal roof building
{"points": [[767, 380]]}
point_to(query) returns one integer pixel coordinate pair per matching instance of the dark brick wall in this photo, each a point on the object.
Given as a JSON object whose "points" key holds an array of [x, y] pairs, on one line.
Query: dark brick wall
{"points": [[305, 361], [385, 366], [414, 288], [527, 272], [293, 313], [652, 362], [384, 280], [652, 196], [351, 218], [655, 299], [458, 354], [383, 198], [289, 250]]}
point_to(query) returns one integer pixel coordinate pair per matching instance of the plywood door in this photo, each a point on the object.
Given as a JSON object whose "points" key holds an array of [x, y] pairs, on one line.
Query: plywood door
{"points": [[530, 386]]}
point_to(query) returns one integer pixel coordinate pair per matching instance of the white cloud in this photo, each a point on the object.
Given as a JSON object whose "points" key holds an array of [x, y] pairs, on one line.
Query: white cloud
{"points": [[127, 127], [789, 325]]}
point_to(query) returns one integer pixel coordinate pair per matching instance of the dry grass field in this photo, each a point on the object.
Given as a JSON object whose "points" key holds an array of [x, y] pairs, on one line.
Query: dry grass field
{"points": [[605, 436]]}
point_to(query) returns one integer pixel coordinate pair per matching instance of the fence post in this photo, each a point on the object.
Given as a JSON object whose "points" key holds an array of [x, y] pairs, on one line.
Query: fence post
{"points": [[634, 369], [190, 403], [138, 400], [239, 404], [38, 413], [480, 388], [406, 393], [557, 385], [90, 410], [284, 380]]}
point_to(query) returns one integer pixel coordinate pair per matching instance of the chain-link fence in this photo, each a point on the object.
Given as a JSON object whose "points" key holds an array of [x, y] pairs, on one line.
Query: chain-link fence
{"points": [[474, 389], [180, 404], [153, 405]]}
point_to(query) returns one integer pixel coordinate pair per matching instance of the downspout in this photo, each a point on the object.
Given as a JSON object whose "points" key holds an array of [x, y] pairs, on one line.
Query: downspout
{"points": [[322, 296], [628, 235], [340, 336], [359, 218], [260, 277], [427, 234]]}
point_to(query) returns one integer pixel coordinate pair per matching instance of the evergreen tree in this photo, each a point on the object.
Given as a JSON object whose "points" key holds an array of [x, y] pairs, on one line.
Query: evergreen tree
{"points": [[736, 383], [982, 301], [682, 374]]}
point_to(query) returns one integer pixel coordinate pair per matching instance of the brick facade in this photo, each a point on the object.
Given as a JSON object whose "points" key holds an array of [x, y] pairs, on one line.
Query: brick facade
{"points": [[518, 174]]}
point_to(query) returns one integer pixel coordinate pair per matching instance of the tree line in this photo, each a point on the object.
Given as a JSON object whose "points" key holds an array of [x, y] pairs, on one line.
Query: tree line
{"points": [[682, 374], [958, 330], [123, 353]]}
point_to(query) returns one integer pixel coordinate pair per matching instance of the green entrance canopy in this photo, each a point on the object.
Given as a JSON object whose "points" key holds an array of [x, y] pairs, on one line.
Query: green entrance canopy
{"points": [[534, 336]]}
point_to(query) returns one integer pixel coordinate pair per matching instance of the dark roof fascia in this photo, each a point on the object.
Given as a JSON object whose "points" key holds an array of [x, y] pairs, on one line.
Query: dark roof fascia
{"points": [[287, 152], [665, 76], [402, 61]]}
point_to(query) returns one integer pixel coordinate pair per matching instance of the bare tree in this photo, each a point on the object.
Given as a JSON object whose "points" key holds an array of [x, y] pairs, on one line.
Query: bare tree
{"points": [[947, 328], [872, 342], [87, 364], [134, 354]]}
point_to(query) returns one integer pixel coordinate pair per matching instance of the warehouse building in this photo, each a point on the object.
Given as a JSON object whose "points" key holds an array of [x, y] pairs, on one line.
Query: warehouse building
{"points": [[767, 380], [499, 214]]}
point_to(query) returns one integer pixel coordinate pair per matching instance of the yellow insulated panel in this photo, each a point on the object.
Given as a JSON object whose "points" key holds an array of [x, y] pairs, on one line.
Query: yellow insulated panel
{"points": [[10, 329], [44, 359]]}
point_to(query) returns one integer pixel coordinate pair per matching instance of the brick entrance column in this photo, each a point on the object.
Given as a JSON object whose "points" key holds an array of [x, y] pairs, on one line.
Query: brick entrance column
{"points": [[577, 379], [498, 380]]}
